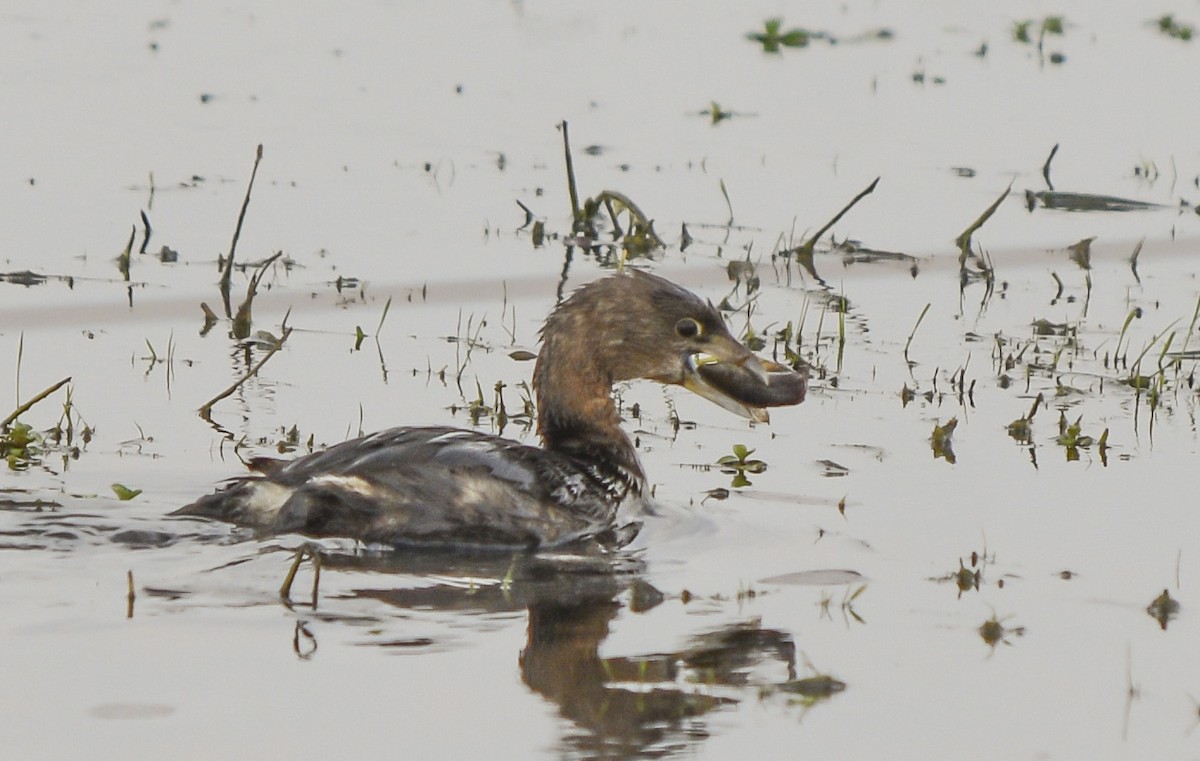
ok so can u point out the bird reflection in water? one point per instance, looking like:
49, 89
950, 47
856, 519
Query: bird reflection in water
631, 705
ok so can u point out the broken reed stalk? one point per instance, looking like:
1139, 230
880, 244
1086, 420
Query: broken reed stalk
227, 275
1133, 260
1046, 167
206, 409
242, 320
20, 356
728, 203
123, 259
963, 241
908, 343
383, 317
571, 189
806, 248
25, 407
1191, 328
148, 230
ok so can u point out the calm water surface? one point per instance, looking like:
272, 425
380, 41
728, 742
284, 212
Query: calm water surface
398, 138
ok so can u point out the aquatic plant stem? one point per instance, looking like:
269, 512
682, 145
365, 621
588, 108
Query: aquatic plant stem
963, 241
227, 274
20, 356
27, 405
807, 247
908, 343
206, 409
571, 189
1046, 167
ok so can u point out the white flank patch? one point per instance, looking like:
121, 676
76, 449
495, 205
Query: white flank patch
346, 483
266, 499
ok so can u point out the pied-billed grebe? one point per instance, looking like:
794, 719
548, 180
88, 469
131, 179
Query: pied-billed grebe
447, 487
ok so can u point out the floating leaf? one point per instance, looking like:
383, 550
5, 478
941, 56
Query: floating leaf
940, 440
124, 493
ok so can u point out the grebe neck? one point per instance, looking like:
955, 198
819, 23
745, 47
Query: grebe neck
577, 416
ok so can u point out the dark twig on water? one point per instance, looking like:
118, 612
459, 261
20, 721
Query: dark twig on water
1046, 167
148, 229
528, 215
123, 259
576, 214
1133, 260
227, 274
27, 405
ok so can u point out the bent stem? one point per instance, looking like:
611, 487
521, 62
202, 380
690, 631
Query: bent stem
27, 405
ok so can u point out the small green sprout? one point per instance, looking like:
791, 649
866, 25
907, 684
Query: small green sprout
772, 38
738, 464
1052, 25
1071, 437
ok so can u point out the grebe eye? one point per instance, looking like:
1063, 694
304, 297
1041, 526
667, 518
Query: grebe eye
687, 328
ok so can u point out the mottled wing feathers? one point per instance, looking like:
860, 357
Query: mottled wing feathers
424, 486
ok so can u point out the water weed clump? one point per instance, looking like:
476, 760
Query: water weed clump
1175, 29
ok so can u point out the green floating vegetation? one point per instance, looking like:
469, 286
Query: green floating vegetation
941, 441
1175, 29
1022, 31
1034, 32
1072, 438
773, 37
1021, 429
738, 464
20, 446
124, 493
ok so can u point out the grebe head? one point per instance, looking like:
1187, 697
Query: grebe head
639, 325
